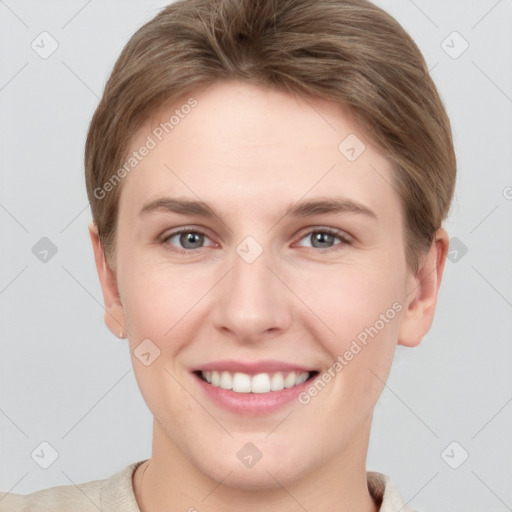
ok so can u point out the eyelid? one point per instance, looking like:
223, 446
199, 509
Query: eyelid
344, 237
186, 229
325, 229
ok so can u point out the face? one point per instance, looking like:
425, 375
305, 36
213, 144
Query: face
254, 252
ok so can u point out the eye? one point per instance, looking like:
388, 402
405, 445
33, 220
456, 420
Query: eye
325, 238
187, 239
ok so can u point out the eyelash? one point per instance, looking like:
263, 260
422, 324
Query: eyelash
331, 231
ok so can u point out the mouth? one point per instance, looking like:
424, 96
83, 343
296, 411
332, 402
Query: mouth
252, 389
240, 382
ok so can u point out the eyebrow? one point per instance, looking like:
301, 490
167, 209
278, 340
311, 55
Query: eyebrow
304, 208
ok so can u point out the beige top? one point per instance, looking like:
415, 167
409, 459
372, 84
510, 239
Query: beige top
115, 494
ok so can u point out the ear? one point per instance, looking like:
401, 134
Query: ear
421, 298
114, 313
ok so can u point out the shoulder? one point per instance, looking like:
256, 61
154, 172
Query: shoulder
384, 493
83, 497
112, 494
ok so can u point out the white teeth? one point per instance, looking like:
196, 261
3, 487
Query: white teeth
290, 380
303, 377
241, 383
261, 383
277, 382
226, 382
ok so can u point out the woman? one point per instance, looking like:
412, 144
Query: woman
268, 182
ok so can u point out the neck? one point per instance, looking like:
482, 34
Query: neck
170, 481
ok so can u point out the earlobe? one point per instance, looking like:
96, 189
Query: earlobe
421, 298
114, 313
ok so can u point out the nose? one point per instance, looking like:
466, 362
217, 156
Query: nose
254, 304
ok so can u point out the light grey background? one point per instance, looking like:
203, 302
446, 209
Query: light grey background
67, 381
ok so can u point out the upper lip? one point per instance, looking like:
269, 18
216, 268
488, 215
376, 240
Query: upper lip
252, 367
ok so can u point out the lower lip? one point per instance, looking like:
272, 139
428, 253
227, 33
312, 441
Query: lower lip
251, 404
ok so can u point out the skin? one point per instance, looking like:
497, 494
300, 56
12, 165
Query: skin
250, 152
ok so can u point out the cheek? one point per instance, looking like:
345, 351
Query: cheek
165, 305
157, 297
362, 311
155, 312
349, 301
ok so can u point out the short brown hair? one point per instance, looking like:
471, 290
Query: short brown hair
347, 51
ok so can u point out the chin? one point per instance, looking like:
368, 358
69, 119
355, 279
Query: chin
269, 472
254, 479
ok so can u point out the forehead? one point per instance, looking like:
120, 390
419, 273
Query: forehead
245, 145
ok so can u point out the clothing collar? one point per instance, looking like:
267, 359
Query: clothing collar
117, 494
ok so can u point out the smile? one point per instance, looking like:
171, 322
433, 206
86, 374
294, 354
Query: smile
240, 382
253, 388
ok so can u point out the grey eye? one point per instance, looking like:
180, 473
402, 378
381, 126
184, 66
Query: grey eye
321, 239
187, 240
191, 240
